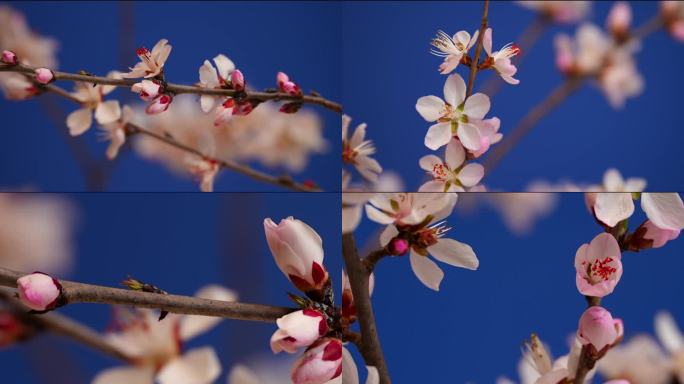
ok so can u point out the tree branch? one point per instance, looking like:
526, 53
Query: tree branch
373, 258
358, 279
478, 50
179, 88
74, 292
283, 181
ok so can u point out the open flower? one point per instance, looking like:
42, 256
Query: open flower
156, 346
115, 132
598, 266
560, 11
320, 363
501, 59
611, 208
151, 63
148, 90
91, 98
357, 151
585, 54
452, 49
206, 167
665, 210
298, 252
427, 239
455, 115
298, 329
39, 291
212, 78
641, 360
450, 175
598, 328
409, 208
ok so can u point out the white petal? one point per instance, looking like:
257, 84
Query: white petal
430, 107
373, 375
471, 174
454, 155
433, 186
611, 208
454, 253
454, 90
377, 215
108, 112
350, 374
477, 106
428, 162
665, 210
128, 375
668, 332
358, 136
388, 234
351, 217
207, 102
79, 121
193, 325
635, 184
242, 375
225, 65
368, 167
487, 41
207, 75
613, 182
438, 135
469, 136
426, 270
197, 366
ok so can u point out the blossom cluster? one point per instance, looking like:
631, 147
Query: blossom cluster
459, 119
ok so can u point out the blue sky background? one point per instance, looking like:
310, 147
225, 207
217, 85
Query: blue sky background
260, 37
387, 67
179, 242
472, 330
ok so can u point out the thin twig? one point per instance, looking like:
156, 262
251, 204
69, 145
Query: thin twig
358, 280
372, 259
74, 292
131, 129
478, 50
179, 88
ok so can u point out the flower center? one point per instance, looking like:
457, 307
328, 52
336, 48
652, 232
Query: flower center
600, 270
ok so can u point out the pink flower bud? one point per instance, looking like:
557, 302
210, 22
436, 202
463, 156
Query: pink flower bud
11, 329
44, 75
39, 291
159, 105
298, 252
287, 86
619, 19
320, 363
147, 89
298, 329
9, 57
658, 235
237, 80
598, 266
598, 328
397, 247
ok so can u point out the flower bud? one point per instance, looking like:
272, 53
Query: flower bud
397, 246
598, 266
237, 80
44, 75
598, 328
320, 363
39, 291
298, 329
619, 20
287, 86
298, 252
9, 57
147, 89
658, 235
159, 105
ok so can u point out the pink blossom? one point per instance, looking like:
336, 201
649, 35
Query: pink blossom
9, 57
298, 252
665, 210
658, 235
151, 63
598, 266
452, 49
17, 87
619, 19
298, 329
159, 105
205, 170
237, 80
212, 78
357, 151
560, 11
39, 291
451, 174
320, 363
598, 328
44, 75
501, 60
92, 103
147, 89
286, 85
